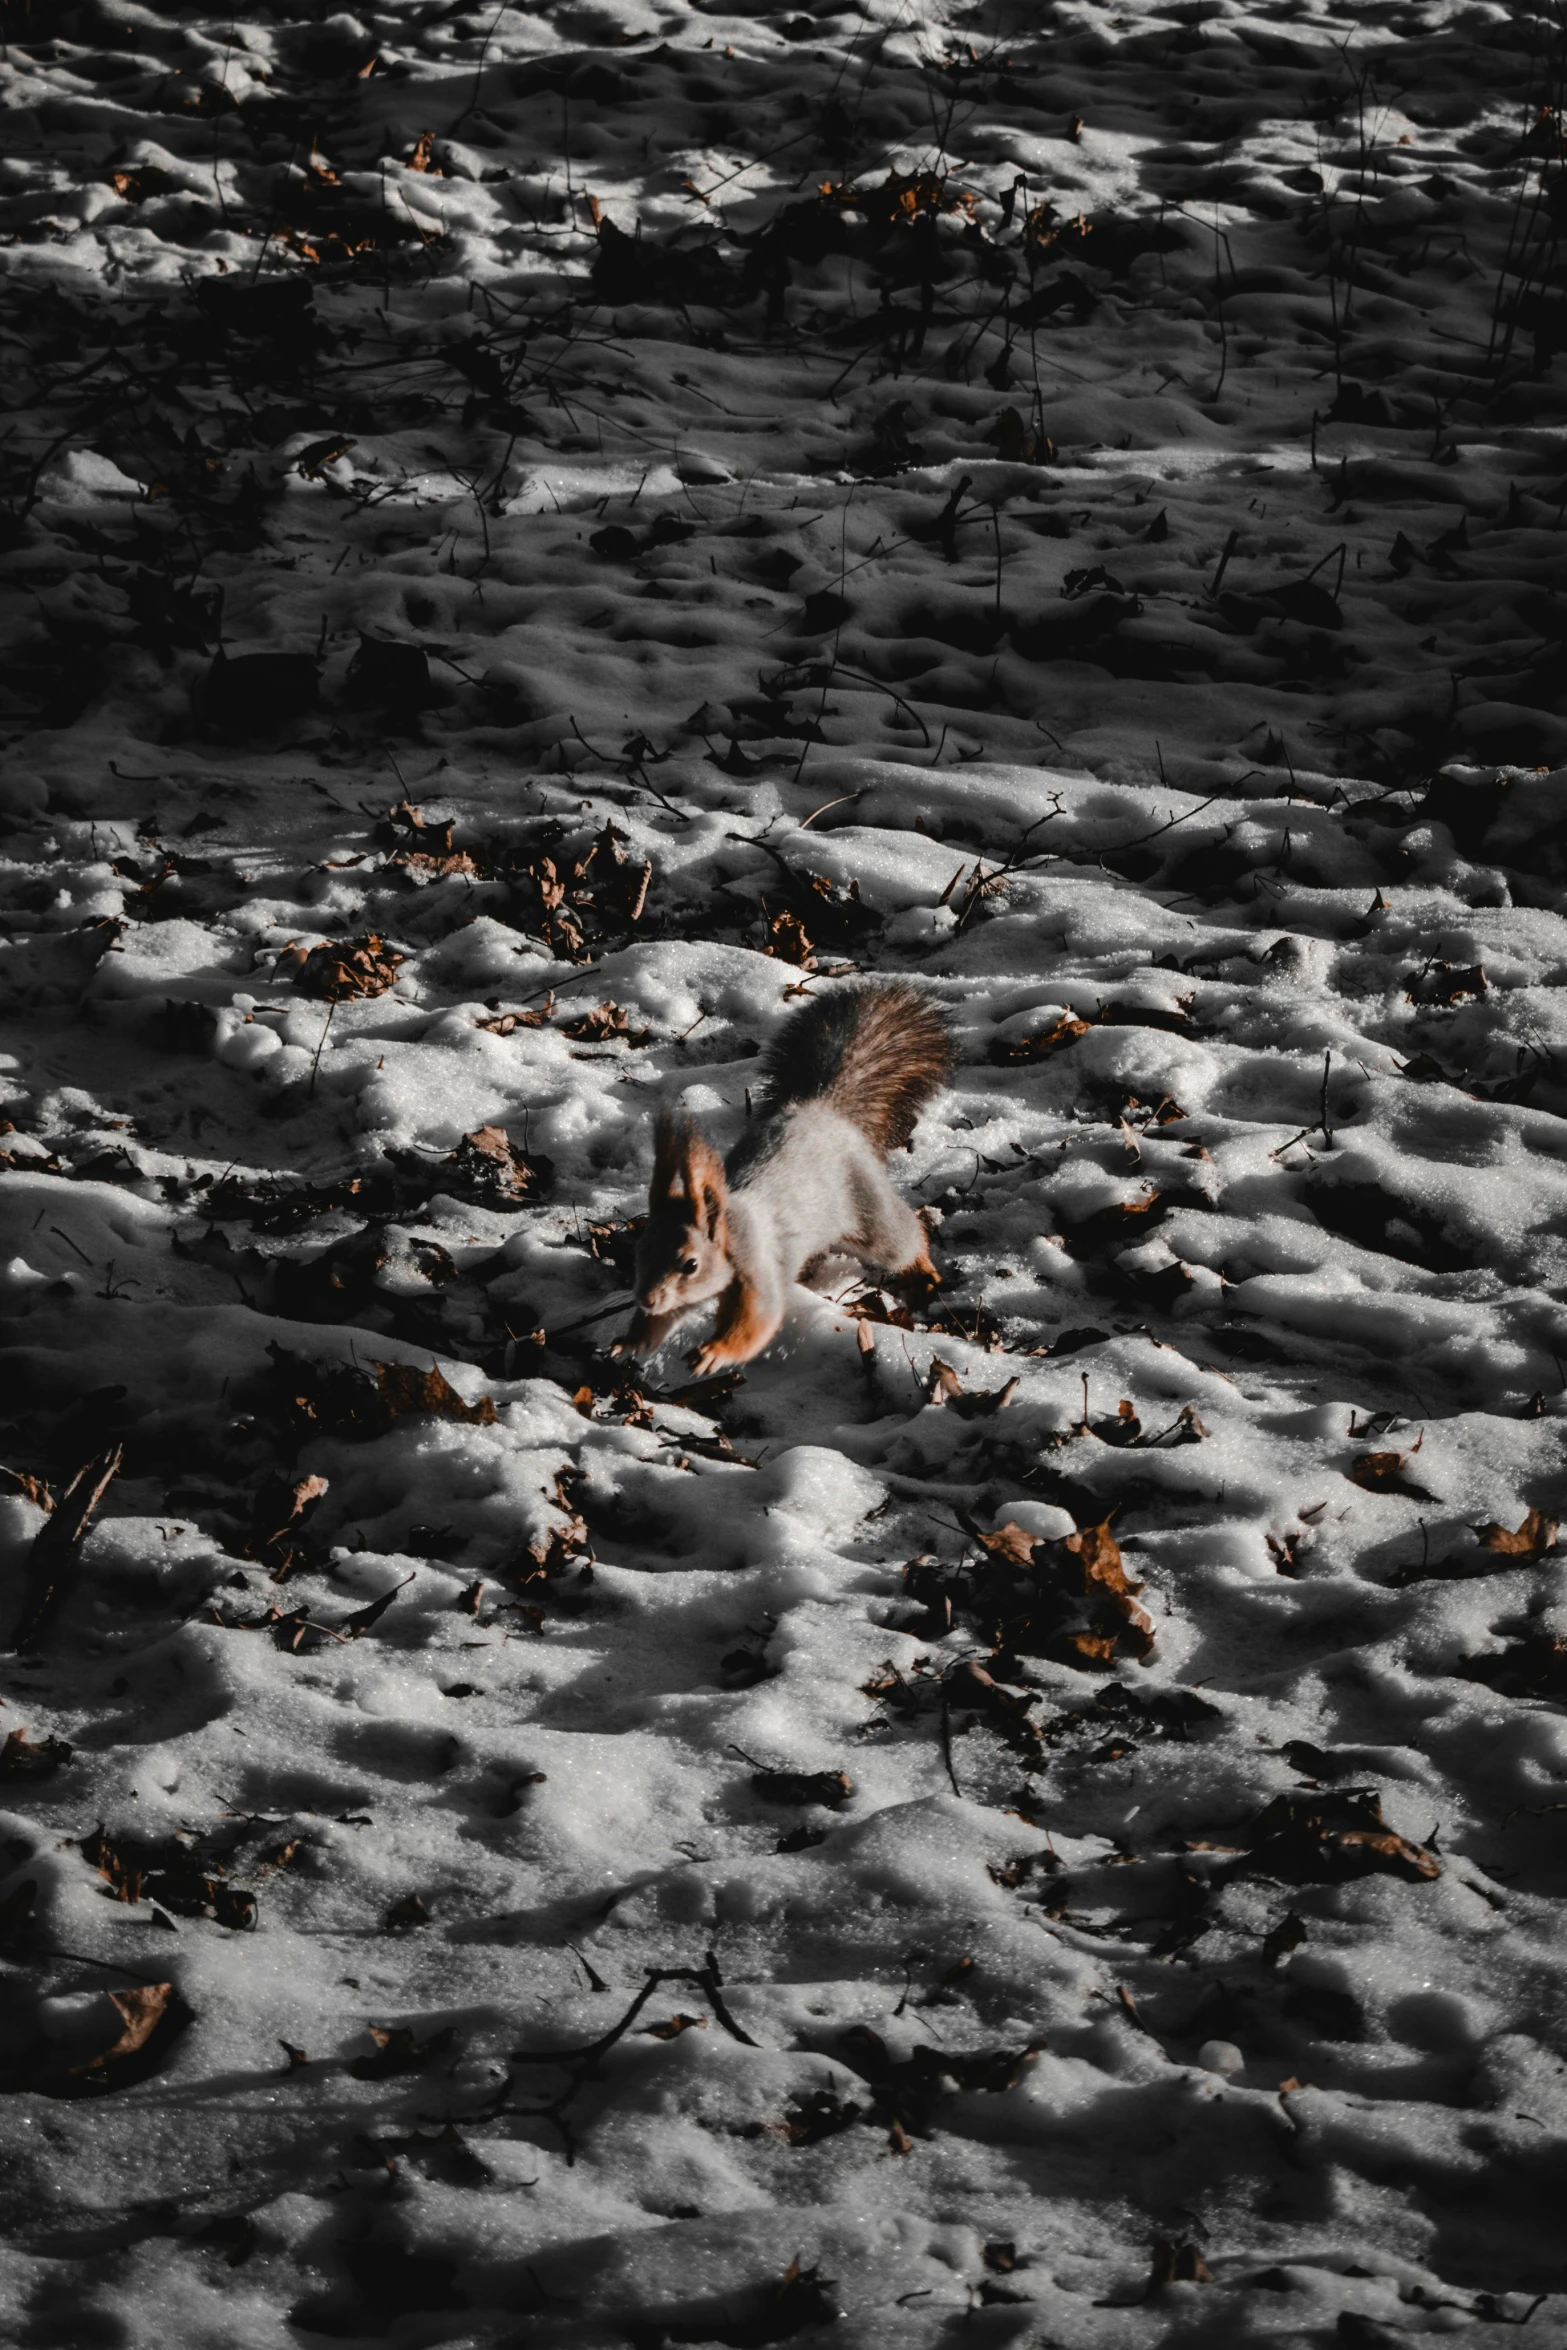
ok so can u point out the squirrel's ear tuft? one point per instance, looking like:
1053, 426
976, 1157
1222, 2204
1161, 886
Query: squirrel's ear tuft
705, 1184
671, 1137
688, 1171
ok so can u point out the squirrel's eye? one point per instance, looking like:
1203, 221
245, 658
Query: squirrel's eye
689, 1266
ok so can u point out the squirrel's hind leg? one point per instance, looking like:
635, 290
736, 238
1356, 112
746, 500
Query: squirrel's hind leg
919, 1276
892, 1238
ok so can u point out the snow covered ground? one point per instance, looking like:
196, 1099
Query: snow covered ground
532, 539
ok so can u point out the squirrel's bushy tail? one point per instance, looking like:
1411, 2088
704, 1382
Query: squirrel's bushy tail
875, 1054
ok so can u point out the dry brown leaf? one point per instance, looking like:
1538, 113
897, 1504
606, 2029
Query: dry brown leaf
505, 1023
123, 1880
1531, 1540
1177, 2264
549, 1554
496, 1171
1397, 1851
309, 463
1067, 1029
1115, 1223
140, 2011
459, 864
398, 2051
24, 1758
1011, 1542
788, 941
342, 968
1084, 1566
139, 182
1374, 1469
1005, 1711
1326, 1838
984, 1403
365, 1619
1096, 1648
603, 1024
1100, 1555
280, 1507
832, 1789
405, 1389
1280, 1940
1383, 1472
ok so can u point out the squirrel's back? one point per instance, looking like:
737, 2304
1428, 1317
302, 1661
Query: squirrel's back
875, 1054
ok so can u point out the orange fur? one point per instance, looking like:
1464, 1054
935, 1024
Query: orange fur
744, 1327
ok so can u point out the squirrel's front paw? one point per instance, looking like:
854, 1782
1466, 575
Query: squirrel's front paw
644, 1333
706, 1360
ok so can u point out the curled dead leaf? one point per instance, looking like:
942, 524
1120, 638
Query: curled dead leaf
506, 1023
1177, 2264
490, 1169
1329, 1838
970, 1689
1531, 1540
1122, 1220
1011, 1542
1038, 1047
830, 1788
1383, 1472
1070, 1599
22, 1757
603, 1025
342, 968
140, 2011
398, 2050
1099, 1556
404, 1389
281, 1507
788, 941
365, 1619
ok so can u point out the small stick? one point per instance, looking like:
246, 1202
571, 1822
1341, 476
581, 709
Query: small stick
841, 802
55, 1544
706, 1978
321, 1047
1230, 545
946, 1741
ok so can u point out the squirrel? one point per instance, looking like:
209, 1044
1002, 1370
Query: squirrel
843, 1083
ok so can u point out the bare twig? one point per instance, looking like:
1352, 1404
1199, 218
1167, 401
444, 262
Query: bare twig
56, 1542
